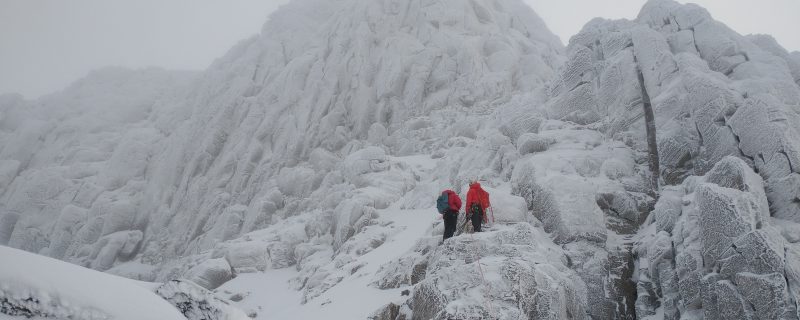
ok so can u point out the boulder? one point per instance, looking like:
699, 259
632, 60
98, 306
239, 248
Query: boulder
121, 245
759, 252
571, 212
532, 142
767, 294
731, 304
732, 172
507, 208
710, 299
784, 194
532, 282
197, 303
668, 208
620, 204
211, 273
591, 263
249, 256
725, 215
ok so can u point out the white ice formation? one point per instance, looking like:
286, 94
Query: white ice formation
306, 146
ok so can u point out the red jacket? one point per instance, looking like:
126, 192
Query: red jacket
453, 200
477, 195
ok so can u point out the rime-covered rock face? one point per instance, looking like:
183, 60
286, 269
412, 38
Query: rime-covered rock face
721, 101
273, 129
72, 172
523, 281
283, 153
716, 255
715, 93
289, 151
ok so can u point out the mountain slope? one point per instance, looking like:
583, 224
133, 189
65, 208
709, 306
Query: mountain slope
320, 144
36, 286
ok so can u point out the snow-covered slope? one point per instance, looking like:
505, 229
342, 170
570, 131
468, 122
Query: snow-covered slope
306, 162
41, 287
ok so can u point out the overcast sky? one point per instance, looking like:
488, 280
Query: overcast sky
46, 44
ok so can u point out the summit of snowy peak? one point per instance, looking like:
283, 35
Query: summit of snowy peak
391, 59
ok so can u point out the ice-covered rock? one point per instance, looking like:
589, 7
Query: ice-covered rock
730, 262
211, 273
197, 303
759, 252
668, 209
281, 111
287, 149
410, 269
715, 93
507, 208
531, 142
119, 245
769, 44
766, 293
730, 304
522, 280
726, 216
573, 213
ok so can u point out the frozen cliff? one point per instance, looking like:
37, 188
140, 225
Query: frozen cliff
648, 169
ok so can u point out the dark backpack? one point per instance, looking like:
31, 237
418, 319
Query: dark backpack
442, 203
475, 208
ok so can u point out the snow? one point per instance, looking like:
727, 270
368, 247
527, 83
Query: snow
354, 298
299, 171
63, 290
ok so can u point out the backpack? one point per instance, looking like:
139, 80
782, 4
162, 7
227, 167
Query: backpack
442, 203
475, 208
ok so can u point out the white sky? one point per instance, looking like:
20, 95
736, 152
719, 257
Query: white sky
47, 44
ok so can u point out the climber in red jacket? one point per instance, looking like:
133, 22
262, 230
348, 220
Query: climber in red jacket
477, 203
448, 205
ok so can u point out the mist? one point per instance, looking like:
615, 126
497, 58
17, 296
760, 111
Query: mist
48, 44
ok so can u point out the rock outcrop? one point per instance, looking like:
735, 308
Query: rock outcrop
718, 252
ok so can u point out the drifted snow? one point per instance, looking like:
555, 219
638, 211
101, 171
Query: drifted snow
50, 288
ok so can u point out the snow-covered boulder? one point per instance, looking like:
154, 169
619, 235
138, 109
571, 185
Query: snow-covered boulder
298, 181
726, 216
410, 269
211, 273
247, 256
520, 125
783, 192
507, 208
367, 160
120, 245
197, 303
573, 212
716, 233
531, 142
516, 260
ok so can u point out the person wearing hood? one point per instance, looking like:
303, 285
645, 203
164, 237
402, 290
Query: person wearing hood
477, 203
448, 205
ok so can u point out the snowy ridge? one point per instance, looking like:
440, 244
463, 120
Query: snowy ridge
297, 175
32, 285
